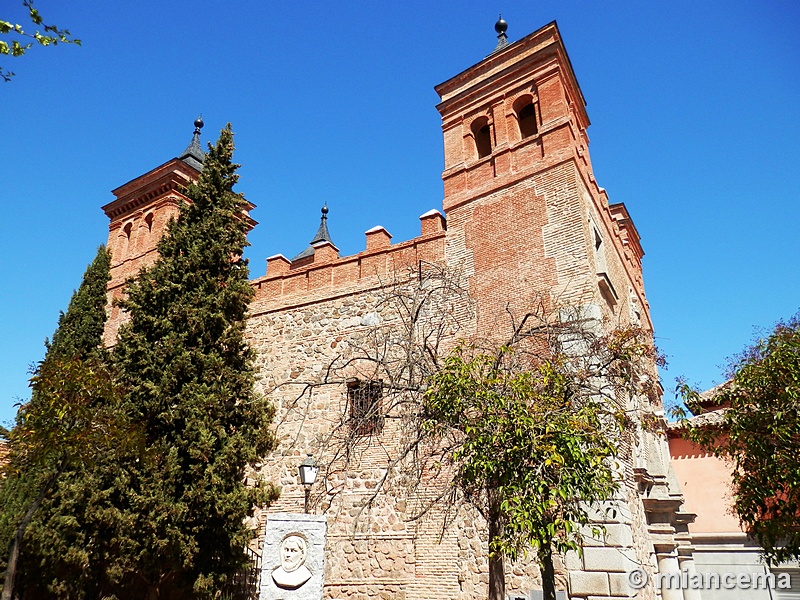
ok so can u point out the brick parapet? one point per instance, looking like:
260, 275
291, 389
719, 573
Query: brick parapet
286, 286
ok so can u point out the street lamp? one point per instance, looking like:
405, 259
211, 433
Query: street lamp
308, 474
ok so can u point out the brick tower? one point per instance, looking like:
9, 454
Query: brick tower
139, 216
528, 223
524, 212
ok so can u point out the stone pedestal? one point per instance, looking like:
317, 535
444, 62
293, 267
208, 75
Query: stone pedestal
293, 557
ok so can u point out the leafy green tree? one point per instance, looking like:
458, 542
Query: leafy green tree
16, 40
71, 417
524, 432
529, 433
188, 376
758, 431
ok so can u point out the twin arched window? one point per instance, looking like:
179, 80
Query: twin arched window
527, 120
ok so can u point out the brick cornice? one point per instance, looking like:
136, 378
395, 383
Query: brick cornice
539, 46
173, 176
170, 178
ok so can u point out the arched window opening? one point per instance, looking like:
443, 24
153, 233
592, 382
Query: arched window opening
482, 132
123, 241
148, 220
527, 120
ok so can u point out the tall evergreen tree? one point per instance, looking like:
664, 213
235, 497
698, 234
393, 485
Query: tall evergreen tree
80, 330
188, 376
67, 419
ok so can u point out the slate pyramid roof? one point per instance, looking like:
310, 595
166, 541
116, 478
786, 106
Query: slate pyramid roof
194, 155
322, 236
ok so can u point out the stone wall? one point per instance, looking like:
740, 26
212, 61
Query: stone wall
306, 354
308, 347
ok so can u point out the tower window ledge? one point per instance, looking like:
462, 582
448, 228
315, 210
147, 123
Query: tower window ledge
479, 161
457, 168
607, 288
533, 139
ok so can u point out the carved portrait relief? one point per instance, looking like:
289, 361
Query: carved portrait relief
292, 572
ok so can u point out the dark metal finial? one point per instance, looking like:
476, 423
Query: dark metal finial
322, 235
501, 27
194, 155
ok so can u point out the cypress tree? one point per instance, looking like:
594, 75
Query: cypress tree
188, 375
80, 330
63, 424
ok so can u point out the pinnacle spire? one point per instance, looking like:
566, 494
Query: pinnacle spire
194, 155
322, 235
322, 232
502, 40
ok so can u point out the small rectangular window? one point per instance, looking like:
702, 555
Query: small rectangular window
599, 251
603, 279
366, 414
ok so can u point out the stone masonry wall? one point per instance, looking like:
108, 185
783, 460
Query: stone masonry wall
374, 551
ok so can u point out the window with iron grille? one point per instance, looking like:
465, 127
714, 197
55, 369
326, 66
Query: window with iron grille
366, 414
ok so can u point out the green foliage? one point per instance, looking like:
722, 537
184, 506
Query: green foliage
62, 416
16, 36
188, 374
160, 513
72, 418
528, 433
80, 413
71, 414
758, 433
528, 448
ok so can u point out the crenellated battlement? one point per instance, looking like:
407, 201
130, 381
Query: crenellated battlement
325, 274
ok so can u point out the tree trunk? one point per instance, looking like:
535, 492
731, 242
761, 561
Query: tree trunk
497, 578
16, 541
548, 572
497, 575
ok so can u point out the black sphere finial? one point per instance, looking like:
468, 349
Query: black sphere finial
198, 123
325, 210
501, 26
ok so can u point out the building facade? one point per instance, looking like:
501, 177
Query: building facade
523, 221
721, 545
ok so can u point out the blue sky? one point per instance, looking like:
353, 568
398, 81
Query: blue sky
694, 127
